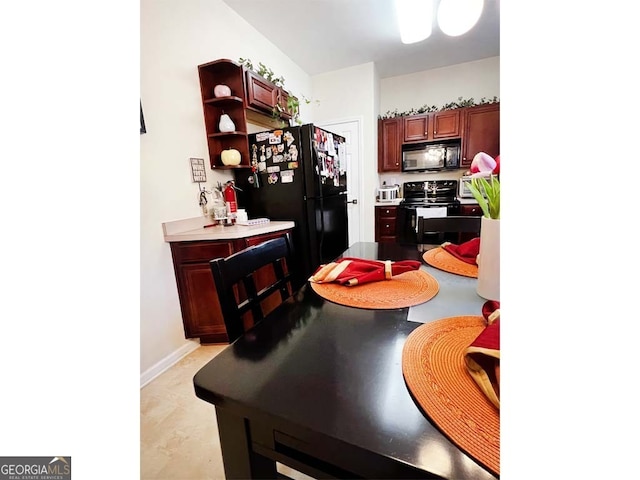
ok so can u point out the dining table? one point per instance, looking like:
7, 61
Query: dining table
319, 387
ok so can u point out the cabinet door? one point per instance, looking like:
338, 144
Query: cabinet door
481, 132
199, 304
386, 224
470, 210
261, 94
201, 313
389, 145
416, 128
446, 124
283, 97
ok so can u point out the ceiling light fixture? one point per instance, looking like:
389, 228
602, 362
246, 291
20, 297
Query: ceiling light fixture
455, 17
415, 18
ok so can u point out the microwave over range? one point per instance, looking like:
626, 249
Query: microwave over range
430, 157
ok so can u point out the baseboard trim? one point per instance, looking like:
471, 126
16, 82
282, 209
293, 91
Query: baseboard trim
167, 362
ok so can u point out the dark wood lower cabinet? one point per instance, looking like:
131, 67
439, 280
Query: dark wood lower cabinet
201, 313
469, 210
385, 227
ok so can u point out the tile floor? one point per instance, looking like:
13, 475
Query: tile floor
178, 431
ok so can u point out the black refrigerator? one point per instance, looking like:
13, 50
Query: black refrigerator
299, 174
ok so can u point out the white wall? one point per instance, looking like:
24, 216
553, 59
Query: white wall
441, 85
344, 94
175, 37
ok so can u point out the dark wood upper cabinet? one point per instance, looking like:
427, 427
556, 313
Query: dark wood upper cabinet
390, 144
446, 124
432, 126
478, 129
252, 96
481, 132
264, 96
261, 94
224, 72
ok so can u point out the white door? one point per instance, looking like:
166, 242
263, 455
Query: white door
350, 130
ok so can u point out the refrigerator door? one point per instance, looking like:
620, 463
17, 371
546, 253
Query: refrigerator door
330, 226
293, 185
326, 171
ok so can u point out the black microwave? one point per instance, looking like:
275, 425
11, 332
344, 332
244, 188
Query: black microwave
425, 157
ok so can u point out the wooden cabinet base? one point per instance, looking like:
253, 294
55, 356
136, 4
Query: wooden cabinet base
199, 304
385, 227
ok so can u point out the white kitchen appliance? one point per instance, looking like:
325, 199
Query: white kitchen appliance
463, 187
388, 193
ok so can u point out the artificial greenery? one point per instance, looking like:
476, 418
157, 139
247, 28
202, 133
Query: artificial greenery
263, 71
293, 103
433, 108
491, 204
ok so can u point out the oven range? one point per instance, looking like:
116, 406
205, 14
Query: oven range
429, 198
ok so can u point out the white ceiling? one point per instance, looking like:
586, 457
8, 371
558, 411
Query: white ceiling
325, 35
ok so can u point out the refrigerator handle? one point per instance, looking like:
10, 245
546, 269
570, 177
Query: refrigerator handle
317, 177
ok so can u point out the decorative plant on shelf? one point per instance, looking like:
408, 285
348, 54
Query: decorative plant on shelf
293, 103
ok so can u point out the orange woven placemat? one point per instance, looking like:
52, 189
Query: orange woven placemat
436, 375
404, 290
443, 260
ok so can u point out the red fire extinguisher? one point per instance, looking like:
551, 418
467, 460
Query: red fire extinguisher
231, 200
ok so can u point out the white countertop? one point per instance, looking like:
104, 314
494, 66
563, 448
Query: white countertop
466, 201
191, 229
388, 203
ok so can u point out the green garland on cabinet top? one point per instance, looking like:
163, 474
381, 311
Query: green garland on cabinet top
433, 108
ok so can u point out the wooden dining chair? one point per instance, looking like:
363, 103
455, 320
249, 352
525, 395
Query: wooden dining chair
252, 282
466, 227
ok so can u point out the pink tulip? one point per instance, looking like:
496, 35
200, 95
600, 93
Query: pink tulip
482, 163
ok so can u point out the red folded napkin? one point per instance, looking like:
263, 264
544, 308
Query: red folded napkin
483, 355
467, 251
356, 271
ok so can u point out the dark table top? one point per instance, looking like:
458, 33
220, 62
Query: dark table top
336, 370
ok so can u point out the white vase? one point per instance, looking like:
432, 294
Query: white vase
226, 124
489, 260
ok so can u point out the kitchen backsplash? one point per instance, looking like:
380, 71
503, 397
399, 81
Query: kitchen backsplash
394, 178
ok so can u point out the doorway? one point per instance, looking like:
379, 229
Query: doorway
350, 130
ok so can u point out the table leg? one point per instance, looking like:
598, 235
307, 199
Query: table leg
240, 461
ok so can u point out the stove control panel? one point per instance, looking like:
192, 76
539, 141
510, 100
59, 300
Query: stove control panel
430, 187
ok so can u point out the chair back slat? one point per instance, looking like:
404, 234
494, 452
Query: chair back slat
443, 225
237, 276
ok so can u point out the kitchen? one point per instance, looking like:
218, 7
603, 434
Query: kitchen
175, 133
173, 41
